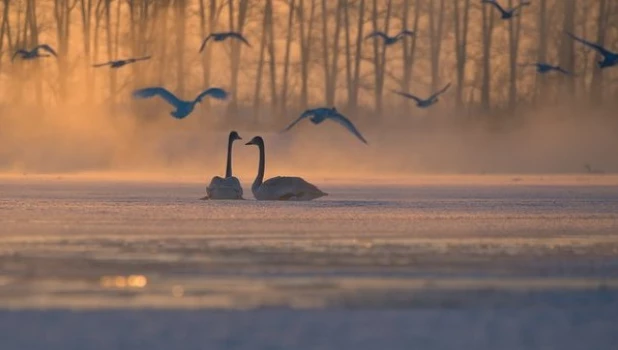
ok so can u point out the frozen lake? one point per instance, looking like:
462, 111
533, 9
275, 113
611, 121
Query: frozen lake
472, 263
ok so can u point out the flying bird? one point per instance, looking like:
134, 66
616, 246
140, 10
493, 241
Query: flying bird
223, 36
506, 13
542, 68
34, 52
390, 40
610, 58
183, 108
318, 115
120, 63
424, 103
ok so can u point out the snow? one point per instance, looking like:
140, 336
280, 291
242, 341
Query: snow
110, 263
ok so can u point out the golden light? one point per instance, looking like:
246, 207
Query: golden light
131, 281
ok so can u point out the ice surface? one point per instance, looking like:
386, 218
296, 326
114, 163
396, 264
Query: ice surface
512, 264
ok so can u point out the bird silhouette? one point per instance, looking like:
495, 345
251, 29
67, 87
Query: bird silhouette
318, 115
542, 68
183, 108
506, 13
610, 58
34, 52
424, 103
223, 36
120, 63
390, 40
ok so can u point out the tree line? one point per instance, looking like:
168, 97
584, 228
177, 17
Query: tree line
309, 52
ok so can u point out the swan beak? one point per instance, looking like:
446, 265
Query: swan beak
249, 143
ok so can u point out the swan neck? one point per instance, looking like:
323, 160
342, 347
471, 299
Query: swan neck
228, 167
260, 175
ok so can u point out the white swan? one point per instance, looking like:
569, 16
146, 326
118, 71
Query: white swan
280, 187
228, 187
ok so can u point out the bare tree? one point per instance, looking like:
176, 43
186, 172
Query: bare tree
379, 56
514, 34
462, 22
305, 27
488, 29
286, 60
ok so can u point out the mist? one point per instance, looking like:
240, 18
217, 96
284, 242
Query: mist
62, 116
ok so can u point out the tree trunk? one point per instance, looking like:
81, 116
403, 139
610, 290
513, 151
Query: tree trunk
567, 56
286, 61
379, 60
596, 84
305, 49
243, 7
461, 47
514, 34
257, 95
488, 28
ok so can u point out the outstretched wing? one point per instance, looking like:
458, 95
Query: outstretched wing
46, 48
375, 34
305, 114
562, 70
341, 119
597, 47
239, 37
214, 92
440, 92
153, 91
19, 52
410, 96
405, 32
205, 42
102, 64
496, 5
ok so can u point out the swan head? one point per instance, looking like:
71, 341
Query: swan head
258, 141
234, 136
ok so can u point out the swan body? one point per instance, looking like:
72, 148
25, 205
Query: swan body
281, 187
424, 103
221, 36
34, 52
610, 58
227, 187
120, 63
542, 68
183, 108
318, 115
506, 13
390, 40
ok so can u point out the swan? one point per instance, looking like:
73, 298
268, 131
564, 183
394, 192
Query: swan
424, 103
610, 58
506, 13
281, 187
542, 67
318, 115
390, 40
34, 52
183, 108
222, 36
228, 187
120, 63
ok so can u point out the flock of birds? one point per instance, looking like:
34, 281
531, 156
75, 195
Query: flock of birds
284, 187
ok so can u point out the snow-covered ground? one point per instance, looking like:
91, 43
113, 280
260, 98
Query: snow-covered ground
482, 263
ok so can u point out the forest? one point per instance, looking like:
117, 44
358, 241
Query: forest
311, 52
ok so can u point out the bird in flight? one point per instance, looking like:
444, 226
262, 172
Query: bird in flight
390, 40
223, 36
34, 52
542, 67
120, 63
506, 13
318, 115
610, 58
424, 103
183, 108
